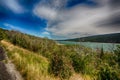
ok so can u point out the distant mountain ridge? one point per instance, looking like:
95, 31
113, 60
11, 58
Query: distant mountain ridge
106, 38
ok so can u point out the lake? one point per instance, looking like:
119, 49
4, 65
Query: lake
93, 45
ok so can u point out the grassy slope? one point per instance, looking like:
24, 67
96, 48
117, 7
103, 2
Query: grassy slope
31, 65
59, 60
60, 63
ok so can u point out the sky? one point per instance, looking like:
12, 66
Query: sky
61, 19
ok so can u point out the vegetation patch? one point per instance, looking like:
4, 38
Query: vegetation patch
45, 58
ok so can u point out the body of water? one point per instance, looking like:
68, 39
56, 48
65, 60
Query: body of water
93, 45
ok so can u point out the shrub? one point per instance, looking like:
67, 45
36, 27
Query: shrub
60, 66
81, 63
2, 34
107, 73
117, 55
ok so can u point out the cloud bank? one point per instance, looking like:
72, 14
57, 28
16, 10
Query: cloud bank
80, 20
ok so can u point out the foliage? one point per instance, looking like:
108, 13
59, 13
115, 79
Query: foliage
108, 66
107, 73
83, 62
60, 65
79, 63
29, 42
117, 55
2, 34
62, 60
30, 65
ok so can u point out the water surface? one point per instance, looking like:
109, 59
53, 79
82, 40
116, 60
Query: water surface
93, 45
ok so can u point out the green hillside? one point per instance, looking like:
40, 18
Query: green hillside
107, 38
42, 59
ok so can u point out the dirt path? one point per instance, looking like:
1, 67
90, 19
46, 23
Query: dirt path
7, 69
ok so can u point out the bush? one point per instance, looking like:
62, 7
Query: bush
81, 63
107, 73
117, 55
2, 34
60, 66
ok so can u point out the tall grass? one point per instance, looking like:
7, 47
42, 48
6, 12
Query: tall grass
64, 61
30, 65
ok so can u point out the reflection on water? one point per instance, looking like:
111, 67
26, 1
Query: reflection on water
93, 45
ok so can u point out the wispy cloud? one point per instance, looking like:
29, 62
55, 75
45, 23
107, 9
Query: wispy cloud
13, 5
46, 33
12, 27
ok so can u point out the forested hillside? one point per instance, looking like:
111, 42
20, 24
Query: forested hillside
108, 38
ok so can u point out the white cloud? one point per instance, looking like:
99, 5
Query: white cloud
13, 5
45, 12
45, 33
49, 9
80, 20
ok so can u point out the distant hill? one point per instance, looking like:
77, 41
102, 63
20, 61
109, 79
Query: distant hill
107, 38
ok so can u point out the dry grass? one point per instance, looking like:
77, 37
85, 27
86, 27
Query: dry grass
30, 65
80, 77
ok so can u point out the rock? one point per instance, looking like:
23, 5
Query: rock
15, 75
4, 75
2, 55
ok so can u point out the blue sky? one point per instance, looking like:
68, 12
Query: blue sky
60, 19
